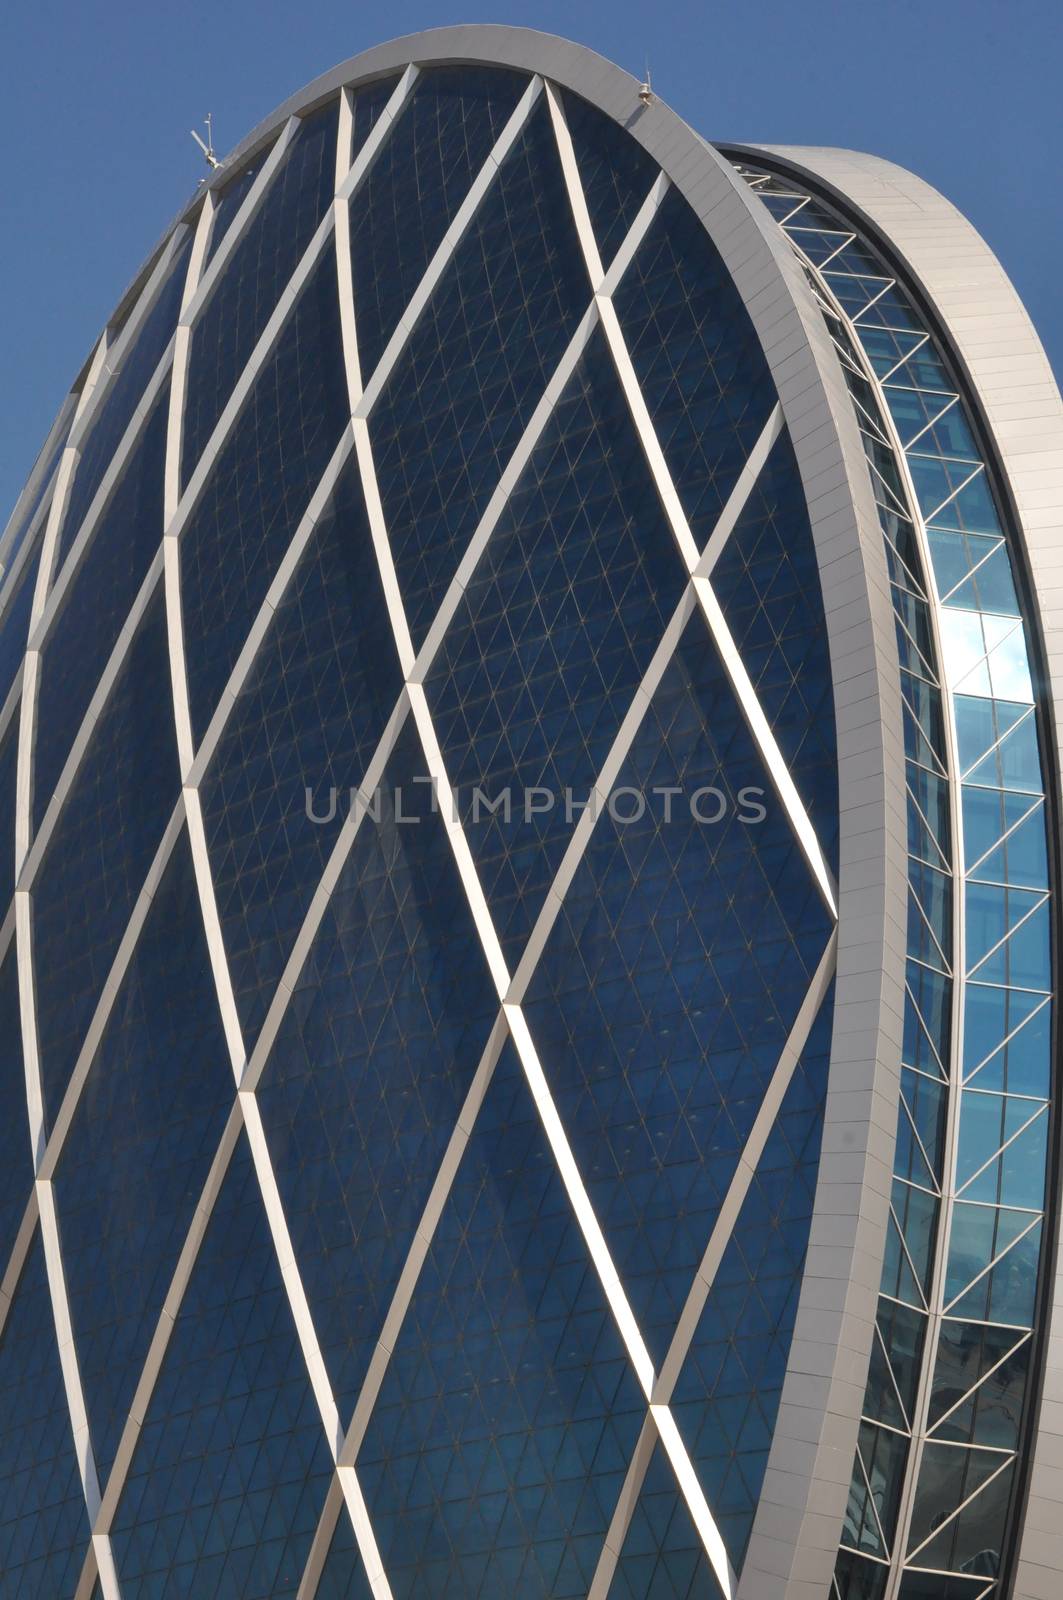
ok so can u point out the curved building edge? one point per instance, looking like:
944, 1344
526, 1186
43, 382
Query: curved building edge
1012, 389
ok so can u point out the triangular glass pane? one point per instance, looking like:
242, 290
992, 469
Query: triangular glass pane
980, 724
727, 1395
971, 508
898, 1278
1022, 858
885, 347
374, 1058
662, 1554
99, 856
927, 1020
256, 275
903, 1331
929, 915
971, 1542
96, 604
916, 1213
657, 1054
995, 1359
879, 1470
1016, 1177
992, 912
1015, 763
930, 794
923, 369
42, 1506
913, 410
855, 291
509, 1409
132, 366
924, 702
475, 367
300, 736
697, 360
615, 171
1020, 1066
424, 170
231, 1466
767, 583
244, 520
132, 1168
881, 1399
989, 814
920, 1128
978, 1235
890, 310
817, 244
552, 638
1023, 960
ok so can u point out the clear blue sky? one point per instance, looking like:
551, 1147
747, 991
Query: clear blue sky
98, 95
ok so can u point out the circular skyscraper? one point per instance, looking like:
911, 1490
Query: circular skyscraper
525, 747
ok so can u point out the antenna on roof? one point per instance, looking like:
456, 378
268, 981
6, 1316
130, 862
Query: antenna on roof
646, 95
207, 146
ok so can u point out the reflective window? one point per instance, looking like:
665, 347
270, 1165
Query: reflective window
476, 366
16, 1159
256, 276
299, 739
44, 1531
231, 1466
260, 488
105, 841
96, 605
144, 1134
427, 165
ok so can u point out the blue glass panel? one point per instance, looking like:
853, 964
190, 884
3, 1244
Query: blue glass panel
1022, 857
671, 981
698, 361
615, 171
228, 201
966, 1351
97, 603
44, 1532
1015, 763
255, 277
231, 1468
16, 1162
321, 689
143, 1137
476, 366
8, 774
861, 1579
767, 582
980, 1233
662, 1557
727, 1396
547, 650
441, 139
377, 1051
508, 1413
988, 814
114, 410
99, 855
366, 105
971, 1541
980, 723
260, 488
1007, 1039
1015, 1177
927, 1020
15, 621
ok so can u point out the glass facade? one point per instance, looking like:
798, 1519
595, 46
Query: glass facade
949, 1401
418, 912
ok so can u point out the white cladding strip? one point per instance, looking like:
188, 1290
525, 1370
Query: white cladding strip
699, 1291
699, 563
449, 244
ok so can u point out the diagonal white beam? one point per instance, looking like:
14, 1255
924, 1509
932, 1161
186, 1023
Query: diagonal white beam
705, 1277
449, 244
